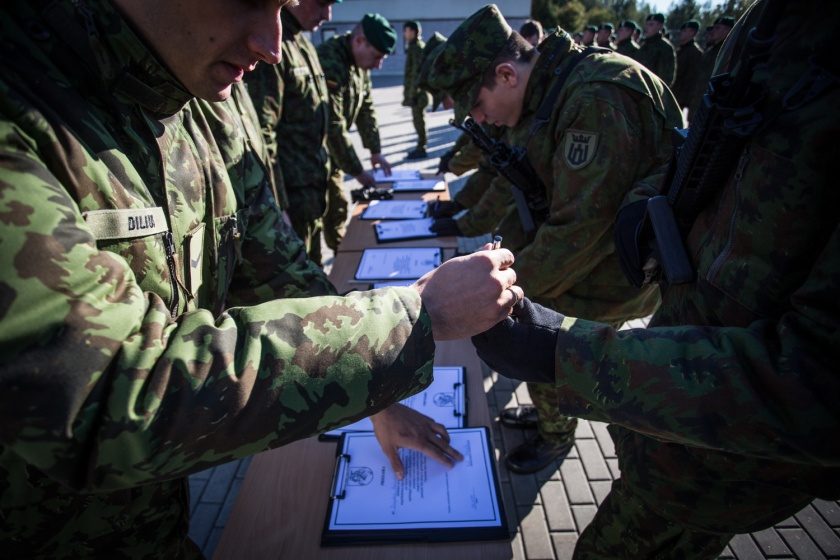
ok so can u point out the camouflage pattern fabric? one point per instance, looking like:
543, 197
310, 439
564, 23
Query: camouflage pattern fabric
292, 103
627, 47
413, 96
657, 54
725, 406
350, 103
689, 72
136, 221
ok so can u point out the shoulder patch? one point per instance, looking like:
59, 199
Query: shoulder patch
579, 147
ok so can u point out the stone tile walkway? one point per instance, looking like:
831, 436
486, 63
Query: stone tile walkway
550, 508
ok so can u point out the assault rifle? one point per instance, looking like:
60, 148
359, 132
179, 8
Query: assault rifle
649, 234
511, 162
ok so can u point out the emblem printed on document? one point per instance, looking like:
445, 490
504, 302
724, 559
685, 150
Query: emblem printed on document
360, 476
580, 148
444, 399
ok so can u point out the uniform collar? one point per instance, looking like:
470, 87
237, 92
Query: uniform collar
554, 50
103, 41
291, 26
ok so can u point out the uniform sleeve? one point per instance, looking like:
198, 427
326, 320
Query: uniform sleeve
577, 235
103, 389
366, 121
669, 65
768, 390
494, 203
410, 76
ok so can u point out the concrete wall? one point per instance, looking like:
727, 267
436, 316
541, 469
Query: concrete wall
441, 16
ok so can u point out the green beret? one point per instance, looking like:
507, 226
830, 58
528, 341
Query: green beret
379, 33
656, 17
629, 24
413, 24
691, 24
728, 21
608, 26
591, 28
466, 56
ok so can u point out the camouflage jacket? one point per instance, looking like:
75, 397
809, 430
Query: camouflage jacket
351, 103
657, 54
413, 59
292, 103
689, 72
736, 377
605, 144
627, 47
136, 221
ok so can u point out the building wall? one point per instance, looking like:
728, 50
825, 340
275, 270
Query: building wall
442, 16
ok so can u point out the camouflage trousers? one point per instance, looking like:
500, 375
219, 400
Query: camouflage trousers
676, 502
335, 217
306, 209
551, 425
418, 116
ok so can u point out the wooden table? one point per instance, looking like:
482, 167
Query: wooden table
360, 234
282, 504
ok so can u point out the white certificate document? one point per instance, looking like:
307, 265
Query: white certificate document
397, 230
444, 401
398, 264
395, 210
393, 283
368, 497
421, 185
396, 175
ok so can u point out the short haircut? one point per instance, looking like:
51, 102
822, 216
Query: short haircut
413, 25
530, 28
516, 50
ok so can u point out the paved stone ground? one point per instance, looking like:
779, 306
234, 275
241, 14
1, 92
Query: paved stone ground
550, 508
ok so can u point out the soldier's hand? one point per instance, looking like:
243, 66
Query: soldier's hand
523, 345
444, 208
378, 160
443, 164
467, 295
445, 226
366, 179
401, 427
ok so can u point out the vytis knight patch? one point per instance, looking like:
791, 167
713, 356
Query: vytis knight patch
579, 148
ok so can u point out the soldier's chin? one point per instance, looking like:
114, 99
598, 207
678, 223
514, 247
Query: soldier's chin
215, 93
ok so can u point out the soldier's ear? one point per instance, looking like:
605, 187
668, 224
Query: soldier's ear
507, 74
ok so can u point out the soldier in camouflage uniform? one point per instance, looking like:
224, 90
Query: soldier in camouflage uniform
624, 43
656, 52
607, 137
414, 97
689, 64
714, 38
347, 61
292, 102
724, 409
603, 38
156, 316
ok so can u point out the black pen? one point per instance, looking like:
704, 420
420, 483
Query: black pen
497, 242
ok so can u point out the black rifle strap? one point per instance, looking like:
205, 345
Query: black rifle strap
562, 72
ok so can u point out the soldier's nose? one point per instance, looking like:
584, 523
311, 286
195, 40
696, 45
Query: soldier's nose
265, 39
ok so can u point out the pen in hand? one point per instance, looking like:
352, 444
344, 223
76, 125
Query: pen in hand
497, 242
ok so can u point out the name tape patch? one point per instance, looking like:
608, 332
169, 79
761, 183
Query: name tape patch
126, 223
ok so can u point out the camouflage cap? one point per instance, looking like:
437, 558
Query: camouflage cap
460, 65
433, 48
379, 33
